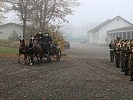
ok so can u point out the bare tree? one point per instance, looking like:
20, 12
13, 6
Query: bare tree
42, 12
23, 9
2, 5
52, 10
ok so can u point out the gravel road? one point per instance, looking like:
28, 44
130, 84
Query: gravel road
84, 74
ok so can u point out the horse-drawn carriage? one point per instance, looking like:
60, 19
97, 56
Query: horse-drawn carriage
39, 49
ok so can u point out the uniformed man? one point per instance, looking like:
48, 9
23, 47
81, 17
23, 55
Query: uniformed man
130, 63
111, 47
117, 54
122, 54
126, 57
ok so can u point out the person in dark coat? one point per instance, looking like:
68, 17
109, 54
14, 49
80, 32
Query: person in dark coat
117, 53
130, 63
39, 37
47, 41
111, 47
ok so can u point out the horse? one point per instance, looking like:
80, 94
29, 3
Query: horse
22, 50
35, 50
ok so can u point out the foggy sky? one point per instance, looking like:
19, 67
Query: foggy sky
96, 11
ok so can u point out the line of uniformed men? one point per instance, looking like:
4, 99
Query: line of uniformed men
121, 51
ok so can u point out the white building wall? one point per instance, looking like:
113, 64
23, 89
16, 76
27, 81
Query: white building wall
6, 30
97, 37
91, 37
112, 25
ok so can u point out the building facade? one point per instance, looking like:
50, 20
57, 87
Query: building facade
123, 33
9, 30
98, 35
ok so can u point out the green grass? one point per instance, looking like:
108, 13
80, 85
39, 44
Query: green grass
9, 47
4, 50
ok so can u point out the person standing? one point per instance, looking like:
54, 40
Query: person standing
47, 41
126, 57
130, 62
111, 47
117, 54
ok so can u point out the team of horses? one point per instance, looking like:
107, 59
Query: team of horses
35, 49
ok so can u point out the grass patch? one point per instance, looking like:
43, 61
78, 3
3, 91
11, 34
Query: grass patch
4, 50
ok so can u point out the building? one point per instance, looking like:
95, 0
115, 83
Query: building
10, 30
123, 33
98, 35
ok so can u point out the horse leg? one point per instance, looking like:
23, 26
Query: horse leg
25, 58
31, 60
40, 56
131, 75
38, 59
19, 58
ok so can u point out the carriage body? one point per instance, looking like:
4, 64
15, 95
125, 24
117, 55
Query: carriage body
51, 50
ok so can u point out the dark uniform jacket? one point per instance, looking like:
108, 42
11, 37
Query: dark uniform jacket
111, 46
39, 37
47, 40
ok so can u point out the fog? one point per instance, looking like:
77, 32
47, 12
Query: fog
91, 13
96, 11
89, 51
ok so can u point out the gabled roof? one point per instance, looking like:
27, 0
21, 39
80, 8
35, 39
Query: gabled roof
95, 29
123, 19
122, 29
11, 24
100, 26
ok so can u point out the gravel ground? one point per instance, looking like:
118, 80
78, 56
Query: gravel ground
72, 78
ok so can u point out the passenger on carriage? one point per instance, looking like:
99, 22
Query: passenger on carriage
47, 39
39, 37
47, 42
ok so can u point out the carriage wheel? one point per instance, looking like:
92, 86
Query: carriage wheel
58, 55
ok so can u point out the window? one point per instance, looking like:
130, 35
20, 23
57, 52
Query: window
120, 35
128, 35
132, 35
124, 35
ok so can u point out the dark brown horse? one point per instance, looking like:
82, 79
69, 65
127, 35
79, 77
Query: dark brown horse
35, 50
22, 50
